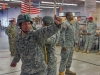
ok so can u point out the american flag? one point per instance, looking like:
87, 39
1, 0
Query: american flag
29, 8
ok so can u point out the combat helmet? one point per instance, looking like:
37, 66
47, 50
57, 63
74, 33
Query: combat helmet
24, 18
48, 20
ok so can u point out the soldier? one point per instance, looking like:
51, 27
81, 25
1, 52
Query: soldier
50, 44
29, 45
34, 24
99, 47
11, 32
16, 27
77, 33
91, 32
67, 45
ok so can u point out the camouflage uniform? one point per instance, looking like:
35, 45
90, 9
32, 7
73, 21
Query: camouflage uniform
30, 48
91, 28
50, 44
17, 28
34, 25
11, 32
52, 60
77, 32
67, 41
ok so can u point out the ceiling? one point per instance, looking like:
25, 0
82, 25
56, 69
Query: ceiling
15, 3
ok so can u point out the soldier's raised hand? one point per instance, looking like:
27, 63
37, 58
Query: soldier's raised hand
57, 20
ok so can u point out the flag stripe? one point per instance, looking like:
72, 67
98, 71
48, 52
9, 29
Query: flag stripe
25, 8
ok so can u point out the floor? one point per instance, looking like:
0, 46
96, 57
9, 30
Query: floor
83, 64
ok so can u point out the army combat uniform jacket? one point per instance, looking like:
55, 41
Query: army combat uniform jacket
30, 50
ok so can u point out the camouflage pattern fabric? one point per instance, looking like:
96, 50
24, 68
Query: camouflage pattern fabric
91, 28
12, 33
67, 41
30, 49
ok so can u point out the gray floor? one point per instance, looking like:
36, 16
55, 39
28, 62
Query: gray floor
83, 64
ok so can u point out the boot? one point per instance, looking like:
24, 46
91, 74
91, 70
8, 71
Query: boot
68, 72
61, 73
84, 51
88, 51
76, 49
57, 44
98, 53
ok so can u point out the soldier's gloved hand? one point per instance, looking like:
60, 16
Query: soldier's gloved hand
13, 64
64, 48
57, 20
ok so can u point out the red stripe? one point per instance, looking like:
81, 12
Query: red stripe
25, 9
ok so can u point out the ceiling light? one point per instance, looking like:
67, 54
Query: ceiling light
59, 3
6, 0
96, 1
40, 9
5, 3
47, 2
47, 7
67, 4
6, 7
16, 1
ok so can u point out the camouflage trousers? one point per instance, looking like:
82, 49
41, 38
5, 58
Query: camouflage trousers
77, 38
12, 46
66, 59
52, 66
42, 72
99, 43
89, 42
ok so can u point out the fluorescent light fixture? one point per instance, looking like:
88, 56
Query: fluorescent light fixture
47, 2
6, 7
59, 3
16, 1
96, 1
5, 3
6, 0
46, 7
67, 4
61, 14
82, 0
40, 9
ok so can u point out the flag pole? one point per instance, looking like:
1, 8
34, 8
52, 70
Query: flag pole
54, 8
29, 5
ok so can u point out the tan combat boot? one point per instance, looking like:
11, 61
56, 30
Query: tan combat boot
84, 51
76, 49
68, 72
98, 53
61, 73
88, 51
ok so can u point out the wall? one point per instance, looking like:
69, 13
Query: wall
14, 12
7, 14
79, 8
